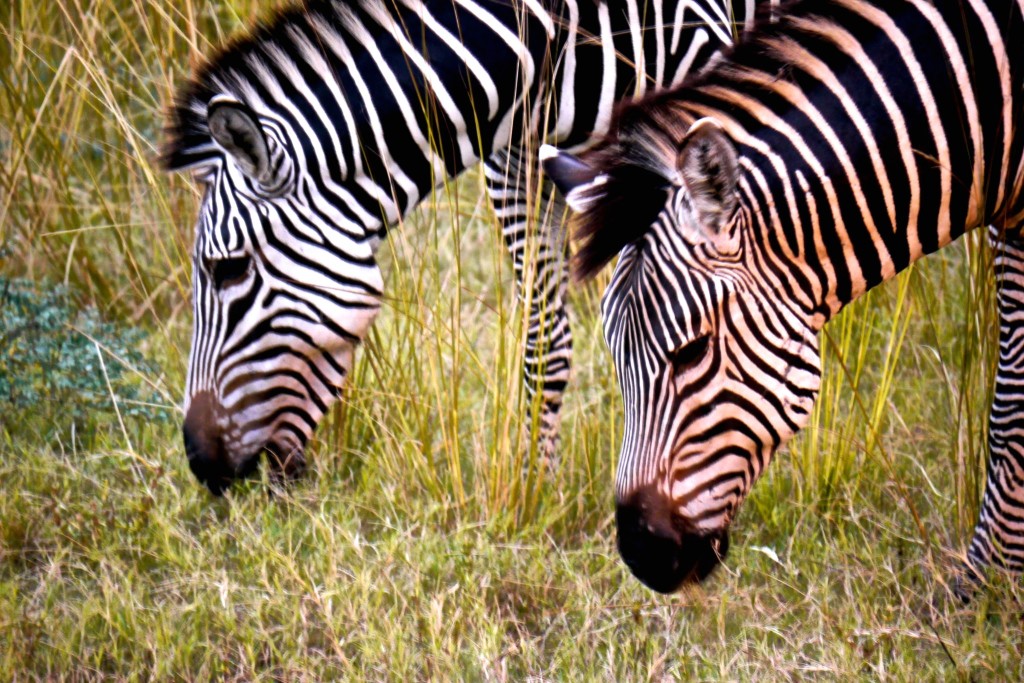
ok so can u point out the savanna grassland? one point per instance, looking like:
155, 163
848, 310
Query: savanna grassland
424, 544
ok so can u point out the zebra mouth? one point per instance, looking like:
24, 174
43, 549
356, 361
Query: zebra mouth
216, 479
217, 475
280, 470
666, 566
664, 557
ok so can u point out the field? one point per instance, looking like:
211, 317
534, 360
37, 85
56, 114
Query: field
423, 545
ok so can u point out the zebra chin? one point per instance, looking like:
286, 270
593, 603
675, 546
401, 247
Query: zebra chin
661, 548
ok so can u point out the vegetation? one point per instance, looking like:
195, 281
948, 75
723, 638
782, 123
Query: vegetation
416, 548
54, 371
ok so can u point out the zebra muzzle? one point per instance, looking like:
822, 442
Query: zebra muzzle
204, 445
659, 549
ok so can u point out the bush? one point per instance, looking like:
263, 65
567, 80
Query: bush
63, 368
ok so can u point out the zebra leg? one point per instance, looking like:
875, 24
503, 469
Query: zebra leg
538, 246
999, 536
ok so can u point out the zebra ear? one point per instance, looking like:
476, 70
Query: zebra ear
571, 175
236, 129
707, 165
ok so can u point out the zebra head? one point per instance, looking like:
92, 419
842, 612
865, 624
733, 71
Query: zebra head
284, 288
716, 370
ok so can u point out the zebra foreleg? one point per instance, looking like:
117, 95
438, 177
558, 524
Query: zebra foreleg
537, 243
999, 536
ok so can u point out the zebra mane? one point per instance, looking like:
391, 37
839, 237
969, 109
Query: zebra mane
234, 69
638, 155
619, 209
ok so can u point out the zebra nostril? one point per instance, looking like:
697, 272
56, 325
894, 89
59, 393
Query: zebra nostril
193, 450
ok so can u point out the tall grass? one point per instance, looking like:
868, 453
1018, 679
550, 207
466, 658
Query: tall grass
424, 543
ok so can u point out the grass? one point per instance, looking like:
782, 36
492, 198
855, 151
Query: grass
416, 549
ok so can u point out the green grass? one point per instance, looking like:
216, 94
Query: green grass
416, 549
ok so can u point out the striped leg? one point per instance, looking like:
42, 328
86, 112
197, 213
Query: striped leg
538, 246
999, 536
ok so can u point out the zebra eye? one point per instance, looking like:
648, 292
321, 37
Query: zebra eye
689, 354
230, 271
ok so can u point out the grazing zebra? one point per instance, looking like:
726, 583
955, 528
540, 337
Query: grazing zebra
822, 157
328, 124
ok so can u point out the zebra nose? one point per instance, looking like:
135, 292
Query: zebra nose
204, 446
657, 547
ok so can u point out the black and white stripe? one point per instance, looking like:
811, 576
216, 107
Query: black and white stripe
830, 151
334, 120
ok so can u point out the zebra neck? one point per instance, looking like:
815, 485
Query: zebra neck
428, 91
384, 100
867, 139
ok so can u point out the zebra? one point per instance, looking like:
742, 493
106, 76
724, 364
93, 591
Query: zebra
329, 123
824, 155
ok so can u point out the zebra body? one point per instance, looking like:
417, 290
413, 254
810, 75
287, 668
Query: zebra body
828, 153
330, 123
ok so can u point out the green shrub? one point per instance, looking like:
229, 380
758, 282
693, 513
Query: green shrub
64, 368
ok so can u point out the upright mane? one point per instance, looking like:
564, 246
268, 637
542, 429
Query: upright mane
637, 157
633, 163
